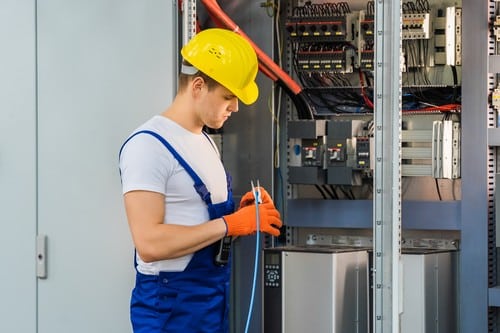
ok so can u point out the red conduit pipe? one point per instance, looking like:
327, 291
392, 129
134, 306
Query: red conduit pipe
267, 72
262, 67
266, 65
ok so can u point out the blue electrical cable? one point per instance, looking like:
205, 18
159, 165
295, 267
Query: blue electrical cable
256, 195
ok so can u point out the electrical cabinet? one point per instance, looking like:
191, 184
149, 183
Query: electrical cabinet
447, 202
448, 41
17, 166
429, 291
319, 288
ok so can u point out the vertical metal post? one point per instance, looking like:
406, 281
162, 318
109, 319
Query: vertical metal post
387, 176
188, 27
473, 277
188, 20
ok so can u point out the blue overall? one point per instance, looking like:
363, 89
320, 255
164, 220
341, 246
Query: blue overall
196, 299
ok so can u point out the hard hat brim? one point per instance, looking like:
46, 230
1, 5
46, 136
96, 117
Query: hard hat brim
247, 95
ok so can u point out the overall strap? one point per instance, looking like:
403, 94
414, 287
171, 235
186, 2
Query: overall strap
199, 186
229, 179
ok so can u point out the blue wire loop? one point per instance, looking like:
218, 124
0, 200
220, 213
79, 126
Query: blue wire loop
258, 200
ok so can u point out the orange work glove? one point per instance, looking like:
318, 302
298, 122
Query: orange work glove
243, 221
248, 198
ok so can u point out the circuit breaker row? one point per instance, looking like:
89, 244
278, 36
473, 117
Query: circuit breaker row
331, 37
341, 152
329, 152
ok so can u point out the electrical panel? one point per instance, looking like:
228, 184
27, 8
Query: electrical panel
328, 155
325, 168
329, 49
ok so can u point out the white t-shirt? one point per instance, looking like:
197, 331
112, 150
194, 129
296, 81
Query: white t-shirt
146, 164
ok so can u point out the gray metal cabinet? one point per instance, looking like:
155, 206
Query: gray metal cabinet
87, 73
17, 166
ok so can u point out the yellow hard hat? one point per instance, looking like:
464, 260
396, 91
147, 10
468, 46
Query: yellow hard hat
227, 58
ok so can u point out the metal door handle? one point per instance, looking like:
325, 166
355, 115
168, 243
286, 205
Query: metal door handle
41, 256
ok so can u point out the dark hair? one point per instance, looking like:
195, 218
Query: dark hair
185, 78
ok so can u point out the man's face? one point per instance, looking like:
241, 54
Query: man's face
216, 106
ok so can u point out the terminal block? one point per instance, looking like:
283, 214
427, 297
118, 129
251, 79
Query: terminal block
454, 36
322, 28
325, 57
495, 98
440, 40
496, 28
366, 41
446, 149
416, 26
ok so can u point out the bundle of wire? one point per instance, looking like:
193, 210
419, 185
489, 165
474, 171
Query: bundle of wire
428, 99
322, 9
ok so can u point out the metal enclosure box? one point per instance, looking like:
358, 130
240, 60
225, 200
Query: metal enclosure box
429, 291
321, 289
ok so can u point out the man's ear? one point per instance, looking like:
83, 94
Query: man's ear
197, 83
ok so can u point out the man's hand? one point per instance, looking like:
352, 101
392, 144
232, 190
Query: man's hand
249, 199
243, 222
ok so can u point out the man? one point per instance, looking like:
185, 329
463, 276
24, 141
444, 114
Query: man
178, 197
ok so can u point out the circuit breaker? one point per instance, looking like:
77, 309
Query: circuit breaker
307, 144
329, 152
343, 157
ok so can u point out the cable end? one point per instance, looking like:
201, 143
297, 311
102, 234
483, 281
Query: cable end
256, 192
